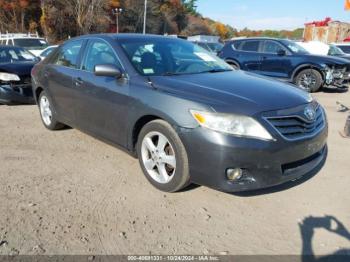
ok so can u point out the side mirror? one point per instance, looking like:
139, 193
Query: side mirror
281, 52
108, 70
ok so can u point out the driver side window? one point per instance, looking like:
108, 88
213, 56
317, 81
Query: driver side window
271, 47
99, 53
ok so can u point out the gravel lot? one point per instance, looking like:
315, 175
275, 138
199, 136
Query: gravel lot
67, 193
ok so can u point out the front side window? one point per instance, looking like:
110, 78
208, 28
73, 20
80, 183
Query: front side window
69, 54
272, 47
171, 57
99, 53
334, 50
295, 48
14, 54
250, 46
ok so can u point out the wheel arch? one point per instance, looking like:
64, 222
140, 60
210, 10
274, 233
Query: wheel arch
233, 61
307, 66
137, 127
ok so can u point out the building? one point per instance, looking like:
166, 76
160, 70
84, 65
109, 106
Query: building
327, 31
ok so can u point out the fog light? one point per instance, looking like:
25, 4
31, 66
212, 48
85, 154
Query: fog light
234, 174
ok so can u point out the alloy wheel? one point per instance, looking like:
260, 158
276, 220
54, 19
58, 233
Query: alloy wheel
45, 110
158, 157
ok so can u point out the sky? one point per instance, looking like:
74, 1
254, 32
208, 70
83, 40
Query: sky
272, 14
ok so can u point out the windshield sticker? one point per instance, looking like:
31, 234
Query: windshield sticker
205, 57
148, 71
43, 42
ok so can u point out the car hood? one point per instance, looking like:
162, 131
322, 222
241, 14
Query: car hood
328, 59
22, 68
234, 92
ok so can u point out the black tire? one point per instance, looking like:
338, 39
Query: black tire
54, 123
309, 79
234, 65
181, 176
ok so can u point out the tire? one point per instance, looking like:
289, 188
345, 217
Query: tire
166, 177
234, 65
47, 113
309, 79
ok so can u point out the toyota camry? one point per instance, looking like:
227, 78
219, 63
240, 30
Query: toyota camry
184, 113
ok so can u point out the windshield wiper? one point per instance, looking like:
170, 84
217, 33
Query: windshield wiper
170, 74
217, 70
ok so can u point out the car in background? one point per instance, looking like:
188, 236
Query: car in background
345, 47
31, 42
47, 51
287, 61
319, 48
212, 47
16, 64
193, 120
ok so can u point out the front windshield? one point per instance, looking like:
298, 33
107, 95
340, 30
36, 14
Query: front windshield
31, 43
159, 56
15, 54
295, 48
333, 50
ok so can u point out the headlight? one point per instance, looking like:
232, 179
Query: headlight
232, 124
9, 77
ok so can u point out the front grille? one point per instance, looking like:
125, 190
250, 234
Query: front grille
297, 127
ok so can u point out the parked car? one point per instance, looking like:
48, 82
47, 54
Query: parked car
345, 47
188, 121
16, 64
47, 51
319, 48
213, 48
285, 60
32, 42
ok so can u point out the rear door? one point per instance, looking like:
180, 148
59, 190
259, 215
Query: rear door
249, 56
59, 76
275, 60
102, 104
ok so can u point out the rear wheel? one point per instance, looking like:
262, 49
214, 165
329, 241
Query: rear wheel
47, 113
309, 79
163, 157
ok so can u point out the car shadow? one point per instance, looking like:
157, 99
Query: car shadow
307, 229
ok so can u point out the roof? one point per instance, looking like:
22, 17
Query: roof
123, 36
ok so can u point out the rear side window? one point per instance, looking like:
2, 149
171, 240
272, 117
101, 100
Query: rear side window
69, 54
250, 46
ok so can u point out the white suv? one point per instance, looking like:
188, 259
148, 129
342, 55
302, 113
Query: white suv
31, 42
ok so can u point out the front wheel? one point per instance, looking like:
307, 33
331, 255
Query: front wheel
310, 80
163, 157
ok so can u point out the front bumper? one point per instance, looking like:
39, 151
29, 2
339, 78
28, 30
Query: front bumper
337, 77
13, 94
264, 163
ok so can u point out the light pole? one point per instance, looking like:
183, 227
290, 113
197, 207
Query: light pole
116, 12
145, 18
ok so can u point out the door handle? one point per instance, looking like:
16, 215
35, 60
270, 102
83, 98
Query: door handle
78, 81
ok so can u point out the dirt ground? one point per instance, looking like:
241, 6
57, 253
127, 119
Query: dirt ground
67, 193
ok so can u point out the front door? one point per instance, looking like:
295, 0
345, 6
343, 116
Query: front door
102, 105
275, 60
